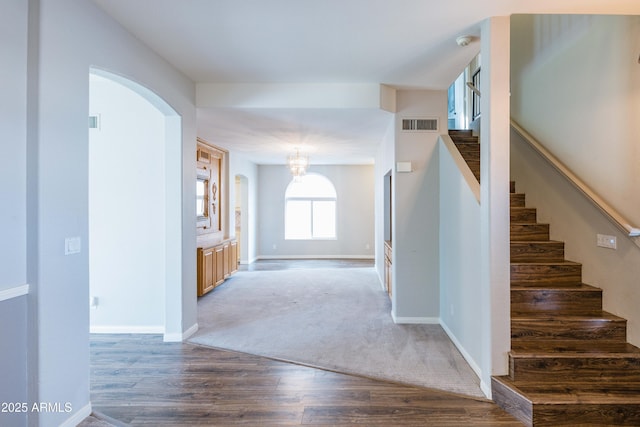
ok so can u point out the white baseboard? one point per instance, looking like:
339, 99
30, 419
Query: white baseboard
126, 329
486, 389
78, 416
315, 257
462, 350
16, 291
179, 337
414, 320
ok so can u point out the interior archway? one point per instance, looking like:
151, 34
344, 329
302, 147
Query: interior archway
242, 217
134, 208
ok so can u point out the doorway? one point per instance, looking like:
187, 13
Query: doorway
242, 218
133, 271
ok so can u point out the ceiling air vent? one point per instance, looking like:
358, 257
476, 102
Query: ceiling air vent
427, 124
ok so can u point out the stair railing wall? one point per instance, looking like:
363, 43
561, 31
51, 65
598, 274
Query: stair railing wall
632, 232
471, 180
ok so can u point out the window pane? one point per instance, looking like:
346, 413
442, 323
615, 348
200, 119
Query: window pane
297, 219
324, 219
311, 185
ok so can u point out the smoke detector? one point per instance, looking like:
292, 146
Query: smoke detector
464, 40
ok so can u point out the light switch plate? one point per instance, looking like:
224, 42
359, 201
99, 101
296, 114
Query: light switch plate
605, 241
404, 167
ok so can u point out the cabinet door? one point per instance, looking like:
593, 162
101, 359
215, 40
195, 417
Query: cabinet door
206, 268
209, 268
233, 257
219, 264
226, 253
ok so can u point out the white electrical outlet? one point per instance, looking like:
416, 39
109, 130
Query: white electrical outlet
605, 241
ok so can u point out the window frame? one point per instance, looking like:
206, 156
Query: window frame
312, 200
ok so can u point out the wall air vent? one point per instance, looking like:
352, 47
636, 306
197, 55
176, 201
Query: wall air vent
426, 124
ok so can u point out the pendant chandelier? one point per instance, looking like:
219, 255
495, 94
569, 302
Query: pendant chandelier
298, 164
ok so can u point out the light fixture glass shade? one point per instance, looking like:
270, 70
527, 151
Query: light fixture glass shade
298, 164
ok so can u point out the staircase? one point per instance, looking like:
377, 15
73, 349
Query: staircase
469, 148
569, 363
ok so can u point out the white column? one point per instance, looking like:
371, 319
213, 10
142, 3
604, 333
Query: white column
494, 198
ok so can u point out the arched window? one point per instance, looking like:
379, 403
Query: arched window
310, 209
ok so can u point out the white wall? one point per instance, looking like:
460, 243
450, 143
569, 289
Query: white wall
13, 130
575, 88
460, 262
126, 216
13, 214
13, 369
354, 213
385, 159
416, 212
74, 36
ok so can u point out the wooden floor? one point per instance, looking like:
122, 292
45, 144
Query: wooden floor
139, 380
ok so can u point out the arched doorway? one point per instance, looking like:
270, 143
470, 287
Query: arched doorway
242, 218
134, 208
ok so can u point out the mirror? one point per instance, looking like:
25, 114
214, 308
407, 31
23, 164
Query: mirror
201, 196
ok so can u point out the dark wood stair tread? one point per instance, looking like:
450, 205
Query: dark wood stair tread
457, 139
529, 232
573, 347
460, 132
556, 263
579, 299
517, 200
535, 251
579, 287
601, 316
616, 353
546, 273
549, 326
550, 263
617, 393
522, 214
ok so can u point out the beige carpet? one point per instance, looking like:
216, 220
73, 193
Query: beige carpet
337, 319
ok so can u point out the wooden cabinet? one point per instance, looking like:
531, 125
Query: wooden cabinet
215, 264
206, 270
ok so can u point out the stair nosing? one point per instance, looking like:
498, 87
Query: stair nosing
521, 354
579, 396
544, 316
550, 241
581, 287
564, 262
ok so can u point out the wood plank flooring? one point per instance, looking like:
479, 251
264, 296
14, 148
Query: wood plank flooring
139, 380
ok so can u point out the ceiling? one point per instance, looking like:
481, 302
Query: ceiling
400, 43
